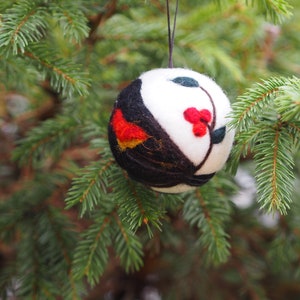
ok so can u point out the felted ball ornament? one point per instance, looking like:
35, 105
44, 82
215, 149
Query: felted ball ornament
168, 129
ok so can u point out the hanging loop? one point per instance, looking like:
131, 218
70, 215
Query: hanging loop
171, 33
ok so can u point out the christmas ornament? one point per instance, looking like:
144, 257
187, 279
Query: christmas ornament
168, 129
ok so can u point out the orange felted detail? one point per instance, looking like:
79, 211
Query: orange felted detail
129, 135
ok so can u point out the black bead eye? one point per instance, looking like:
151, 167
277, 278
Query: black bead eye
186, 81
218, 135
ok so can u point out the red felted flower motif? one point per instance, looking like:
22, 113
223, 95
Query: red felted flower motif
199, 119
192, 115
199, 129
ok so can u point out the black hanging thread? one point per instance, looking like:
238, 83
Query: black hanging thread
171, 33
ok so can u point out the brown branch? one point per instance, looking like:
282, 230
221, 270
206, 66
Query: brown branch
97, 20
274, 173
123, 231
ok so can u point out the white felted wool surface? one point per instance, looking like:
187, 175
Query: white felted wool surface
167, 101
179, 188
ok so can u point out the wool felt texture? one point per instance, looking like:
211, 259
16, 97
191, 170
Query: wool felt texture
168, 129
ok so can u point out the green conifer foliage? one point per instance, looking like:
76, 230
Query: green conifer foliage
73, 225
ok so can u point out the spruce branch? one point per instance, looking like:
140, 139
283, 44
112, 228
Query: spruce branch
30, 267
283, 252
24, 32
23, 203
72, 21
93, 191
12, 70
277, 95
274, 168
51, 241
288, 100
23, 23
243, 145
91, 254
45, 240
169, 202
107, 230
49, 139
294, 131
65, 76
205, 209
266, 119
250, 105
127, 246
137, 205
90, 187
275, 10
